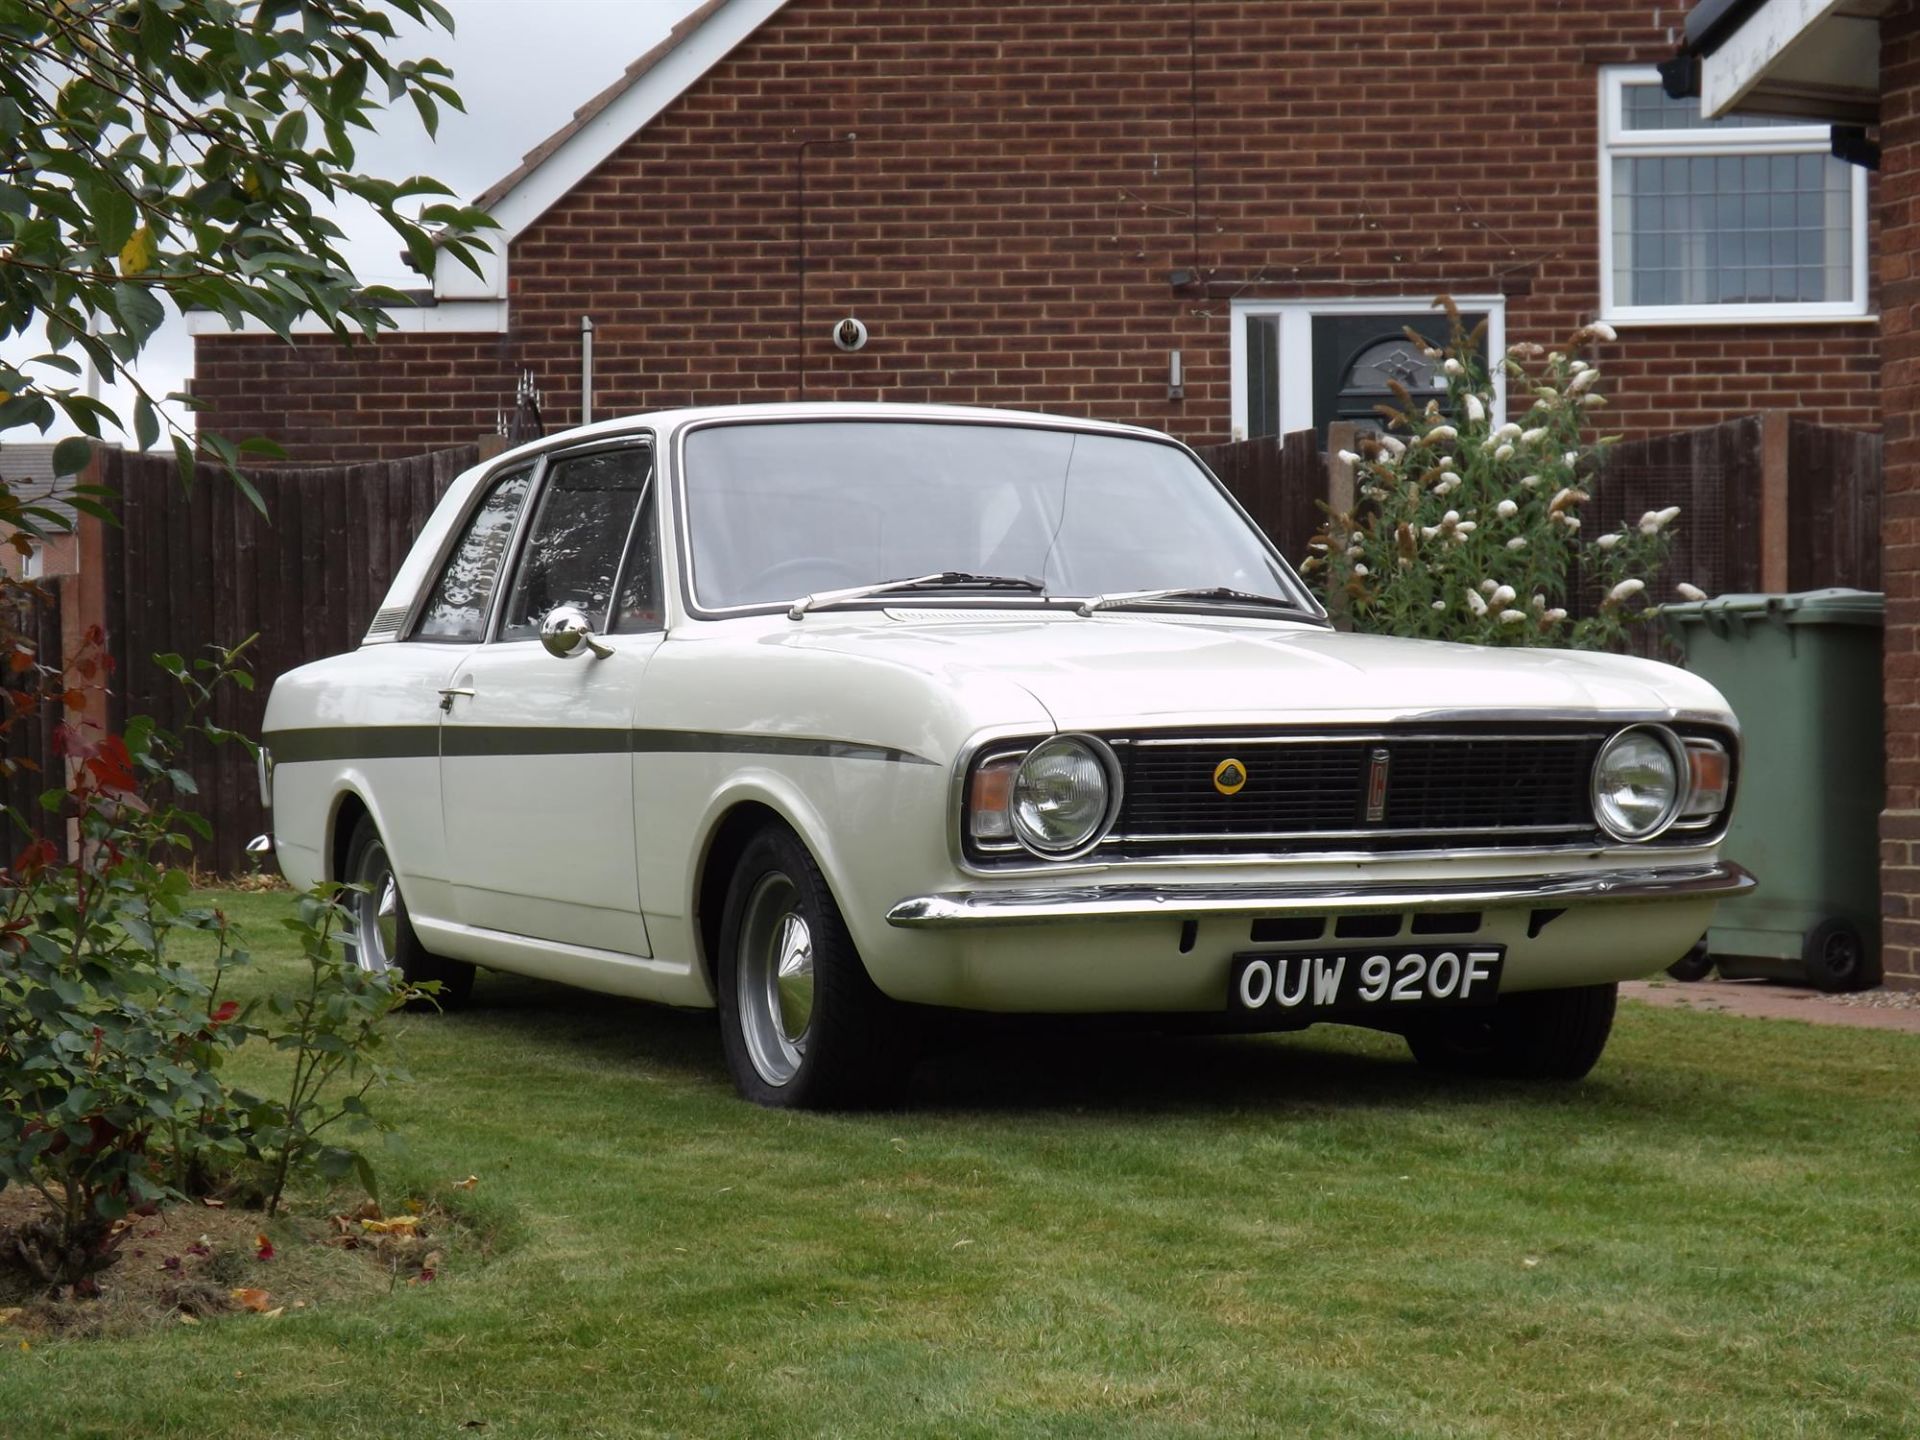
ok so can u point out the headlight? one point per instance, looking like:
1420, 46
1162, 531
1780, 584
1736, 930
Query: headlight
1062, 797
1638, 782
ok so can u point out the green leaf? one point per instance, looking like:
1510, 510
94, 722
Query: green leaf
113, 214
146, 423
71, 455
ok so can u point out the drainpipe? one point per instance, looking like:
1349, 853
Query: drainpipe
586, 369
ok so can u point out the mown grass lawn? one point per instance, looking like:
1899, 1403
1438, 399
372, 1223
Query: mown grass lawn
1717, 1234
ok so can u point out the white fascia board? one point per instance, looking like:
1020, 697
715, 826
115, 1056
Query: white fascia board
453, 317
454, 281
1761, 42
556, 176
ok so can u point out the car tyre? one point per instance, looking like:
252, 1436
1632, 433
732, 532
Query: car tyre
1834, 957
380, 935
1696, 964
802, 1023
1536, 1035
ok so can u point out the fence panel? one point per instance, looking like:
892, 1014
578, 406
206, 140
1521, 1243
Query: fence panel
186, 571
1833, 507
1280, 480
29, 764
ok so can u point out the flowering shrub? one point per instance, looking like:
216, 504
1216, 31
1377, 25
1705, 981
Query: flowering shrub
1467, 530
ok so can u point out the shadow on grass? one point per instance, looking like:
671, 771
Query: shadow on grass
1038, 1067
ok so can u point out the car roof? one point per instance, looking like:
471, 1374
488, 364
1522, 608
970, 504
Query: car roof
669, 421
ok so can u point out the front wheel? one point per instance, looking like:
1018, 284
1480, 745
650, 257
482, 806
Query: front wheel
1536, 1035
381, 937
803, 1025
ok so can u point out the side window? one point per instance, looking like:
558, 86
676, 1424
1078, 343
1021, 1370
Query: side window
457, 609
638, 607
580, 527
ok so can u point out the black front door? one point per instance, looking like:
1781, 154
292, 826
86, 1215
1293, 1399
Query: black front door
1356, 356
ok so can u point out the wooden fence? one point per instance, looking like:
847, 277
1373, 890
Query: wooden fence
32, 764
184, 572
1280, 480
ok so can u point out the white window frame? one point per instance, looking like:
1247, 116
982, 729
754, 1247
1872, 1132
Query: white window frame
1295, 347
33, 563
1618, 142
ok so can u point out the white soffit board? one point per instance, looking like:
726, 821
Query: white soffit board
1809, 57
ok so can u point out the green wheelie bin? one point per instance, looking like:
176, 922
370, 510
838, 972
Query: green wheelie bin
1802, 673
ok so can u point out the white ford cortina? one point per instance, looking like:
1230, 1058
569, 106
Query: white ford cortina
829, 714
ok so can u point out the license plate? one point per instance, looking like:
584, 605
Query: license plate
1365, 979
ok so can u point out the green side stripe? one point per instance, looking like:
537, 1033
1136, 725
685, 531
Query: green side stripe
394, 742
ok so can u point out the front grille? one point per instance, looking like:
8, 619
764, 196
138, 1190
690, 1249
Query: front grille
1512, 788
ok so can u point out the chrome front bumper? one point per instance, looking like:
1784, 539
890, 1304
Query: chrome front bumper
1712, 881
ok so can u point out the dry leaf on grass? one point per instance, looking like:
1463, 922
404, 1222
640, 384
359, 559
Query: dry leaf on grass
254, 1300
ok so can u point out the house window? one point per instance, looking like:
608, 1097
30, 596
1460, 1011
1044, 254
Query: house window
1746, 218
1305, 364
33, 563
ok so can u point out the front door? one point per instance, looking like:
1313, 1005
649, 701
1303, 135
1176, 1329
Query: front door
536, 756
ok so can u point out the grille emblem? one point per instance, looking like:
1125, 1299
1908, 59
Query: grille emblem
1377, 763
1229, 777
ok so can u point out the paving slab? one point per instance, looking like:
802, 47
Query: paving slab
1882, 1009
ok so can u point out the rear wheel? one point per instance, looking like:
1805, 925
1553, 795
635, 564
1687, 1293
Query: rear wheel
1696, 964
802, 1024
381, 937
1535, 1035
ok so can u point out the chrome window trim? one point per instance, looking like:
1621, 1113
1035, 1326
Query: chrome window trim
1309, 611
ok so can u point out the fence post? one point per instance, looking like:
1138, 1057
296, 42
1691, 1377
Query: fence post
1774, 481
1340, 436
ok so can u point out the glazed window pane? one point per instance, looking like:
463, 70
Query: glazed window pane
457, 609
579, 532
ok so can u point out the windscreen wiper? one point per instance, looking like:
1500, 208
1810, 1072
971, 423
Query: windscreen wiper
944, 580
1117, 598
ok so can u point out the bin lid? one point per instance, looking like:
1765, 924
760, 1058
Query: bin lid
1834, 606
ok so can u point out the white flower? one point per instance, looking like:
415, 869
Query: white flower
1359, 569
1393, 447
1517, 543
1691, 592
1654, 521
1577, 366
1582, 381
1354, 552
1554, 357
1446, 462
1501, 596
1506, 509
1465, 527
1607, 542
1476, 604
1447, 486
1439, 604
1452, 517
1625, 590
1357, 537
1539, 602
1505, 452
1430, 352
1428, 532
1529, 481
1512, 617
1347, 457
1600, 330
1554, 616
1487, 587
1443, 432
1572, 522
1565, 496
1572, 457
1533, 436
1317, 545
1454, 367
1508, 431
1449, 477
1476, 412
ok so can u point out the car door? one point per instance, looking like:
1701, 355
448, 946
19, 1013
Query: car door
536, 750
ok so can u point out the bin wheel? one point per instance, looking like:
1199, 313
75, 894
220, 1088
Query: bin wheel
1835, 958
1696, 964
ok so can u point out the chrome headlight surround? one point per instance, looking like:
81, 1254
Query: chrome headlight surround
1650, 741
1001, 782
263, 772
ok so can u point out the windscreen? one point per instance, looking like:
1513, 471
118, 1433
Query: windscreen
779, 510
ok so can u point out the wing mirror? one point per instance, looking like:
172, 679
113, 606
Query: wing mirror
566, 632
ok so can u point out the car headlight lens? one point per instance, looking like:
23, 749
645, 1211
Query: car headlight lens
1062, 794
1637, 783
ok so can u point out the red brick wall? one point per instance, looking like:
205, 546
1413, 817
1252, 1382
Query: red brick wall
1900, 523
1022, 183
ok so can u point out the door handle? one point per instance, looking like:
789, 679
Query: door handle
447, 696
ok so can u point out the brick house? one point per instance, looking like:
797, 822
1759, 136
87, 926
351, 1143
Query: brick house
1209, 216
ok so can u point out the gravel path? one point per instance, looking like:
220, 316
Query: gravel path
1882, 1009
